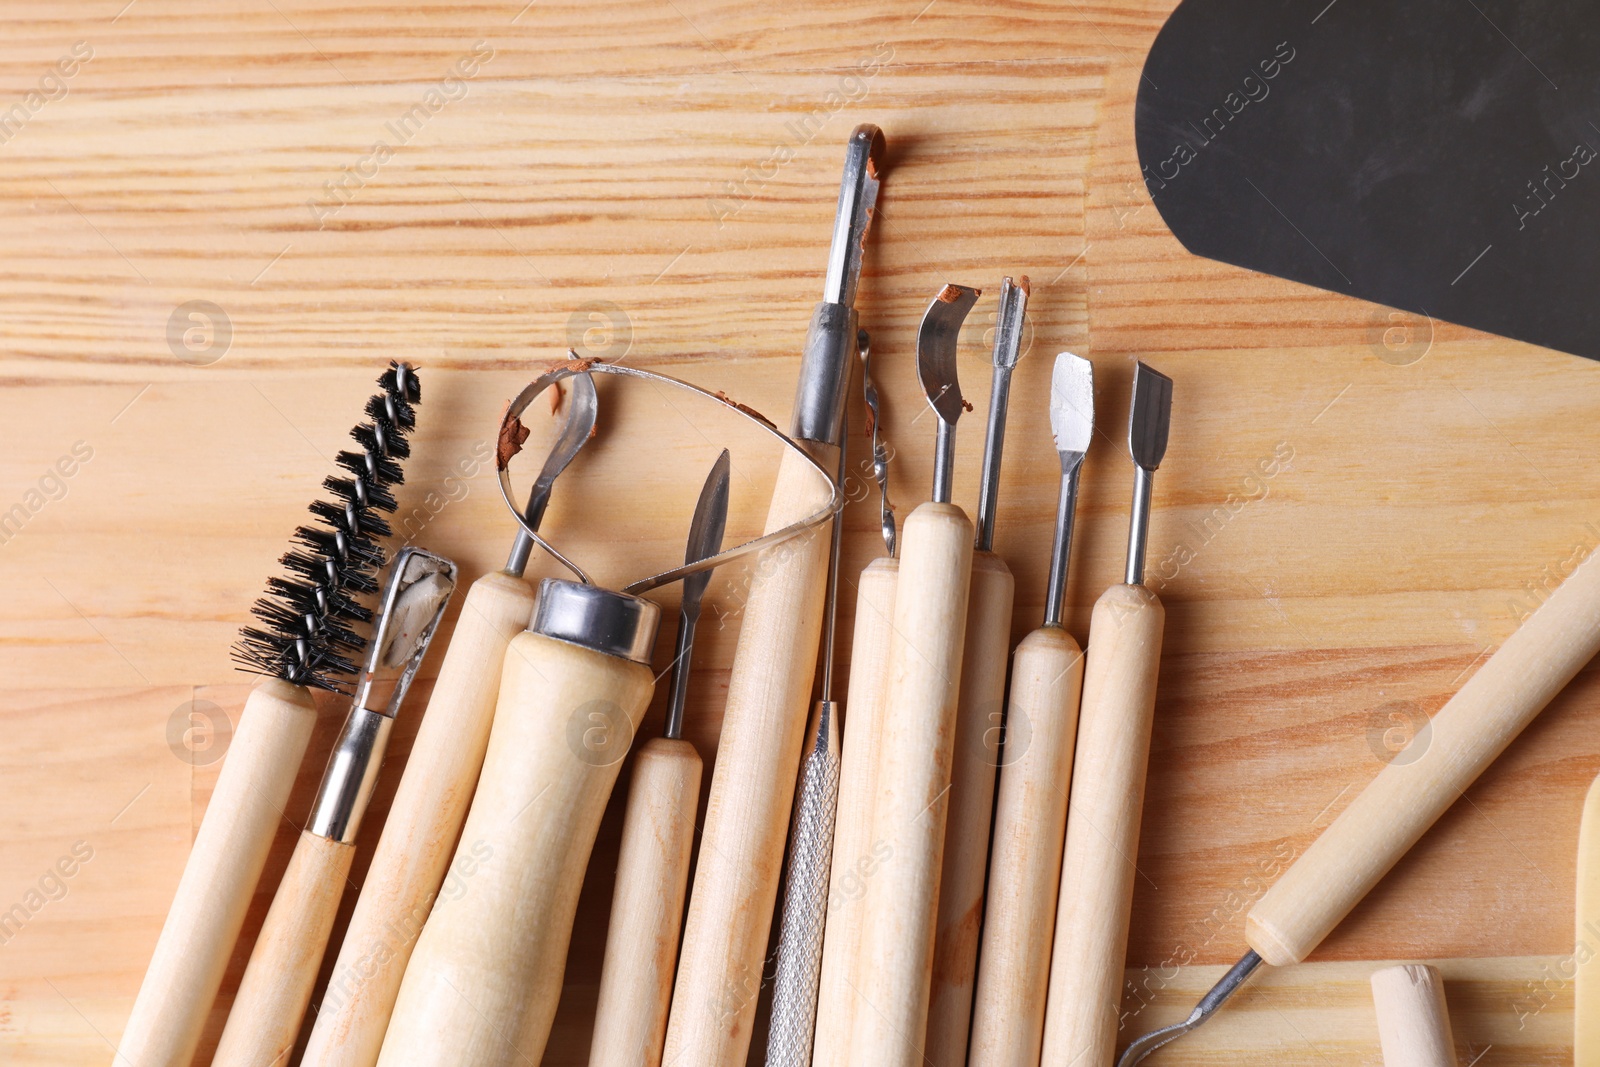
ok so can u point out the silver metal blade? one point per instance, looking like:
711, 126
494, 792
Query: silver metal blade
705, 540
1072, 404
583, 408
936, 349
1008, 328
858, 197
1152, 411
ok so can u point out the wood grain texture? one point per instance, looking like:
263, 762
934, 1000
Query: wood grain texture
1413, 1018
264, 1022
630, 1023
900, 909
985, 652
1585, 982
419, 835
598, 156
1030, 826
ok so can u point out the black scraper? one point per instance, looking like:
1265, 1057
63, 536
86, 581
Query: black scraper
1441, 156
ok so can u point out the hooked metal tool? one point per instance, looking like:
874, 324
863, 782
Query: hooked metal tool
936, 372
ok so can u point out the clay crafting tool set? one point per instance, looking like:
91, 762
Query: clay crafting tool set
960, 846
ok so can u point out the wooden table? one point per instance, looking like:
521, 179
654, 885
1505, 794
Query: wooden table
655, 179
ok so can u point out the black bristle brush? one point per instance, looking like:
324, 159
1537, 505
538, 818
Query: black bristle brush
312, 629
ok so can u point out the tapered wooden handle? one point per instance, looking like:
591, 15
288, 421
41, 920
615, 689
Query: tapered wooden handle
266, 1015
219, 878
412, 856
1414, 789
758, 758
1413, 1023
482, 983
1102, 842
856, 857
894, 971
1586, 983
630, 1020
971, 807
1030, 823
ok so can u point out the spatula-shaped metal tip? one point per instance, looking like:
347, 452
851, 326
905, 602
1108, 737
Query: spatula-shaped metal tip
936, 350
1072, 404
710, 516
583, 408
1009, 323
1152, 411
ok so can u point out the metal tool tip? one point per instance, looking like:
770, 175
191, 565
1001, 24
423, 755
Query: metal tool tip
936, 349
710, 515
869, 138
1072, 403
1009, 321
1152, 411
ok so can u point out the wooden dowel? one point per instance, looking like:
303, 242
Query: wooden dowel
856, 857
1586, 983
219, 878
902, 897
630, 1020
1030, 823
971, 803
1102, 842
1413, 1022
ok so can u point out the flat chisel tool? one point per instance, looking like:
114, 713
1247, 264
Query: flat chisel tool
855, 857
769, 685
978, 713
630, 1020
1407, 797
805, 896
1108, 775
413, 854
895, 959
1031, 812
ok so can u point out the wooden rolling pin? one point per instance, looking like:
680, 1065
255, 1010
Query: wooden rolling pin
411, 860
1413, 1022
856, 856
483, 981
264, 1022
630, 1018
1113, 749
978, 718
769, 687
1036, 774
895, 959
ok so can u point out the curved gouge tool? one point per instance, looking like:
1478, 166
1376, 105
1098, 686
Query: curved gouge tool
1108, 775
769, 687
483, 981
267, 1011
309, 629
978, 708
1586, 983
805, 900
410, 863
1407, 797
1413, 1021
854, 859
1031, 812
899, 912
630, 1020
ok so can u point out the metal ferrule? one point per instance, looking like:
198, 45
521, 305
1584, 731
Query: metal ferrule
993, 444
611, 623
1139, 524
825, 365
944, 462
352, 772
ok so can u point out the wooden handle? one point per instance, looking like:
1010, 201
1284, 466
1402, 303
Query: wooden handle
971, 809
758, 759
855, 855
1030, 823
630, 1020
902, 898
1102, 841
1586, 983
219, 878
483, 981
265, 1019
1413, 1024
1415, 788
420, 832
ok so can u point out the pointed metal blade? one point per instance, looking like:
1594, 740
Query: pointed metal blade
936, 349
1152, 411
1072, 404
710, 517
